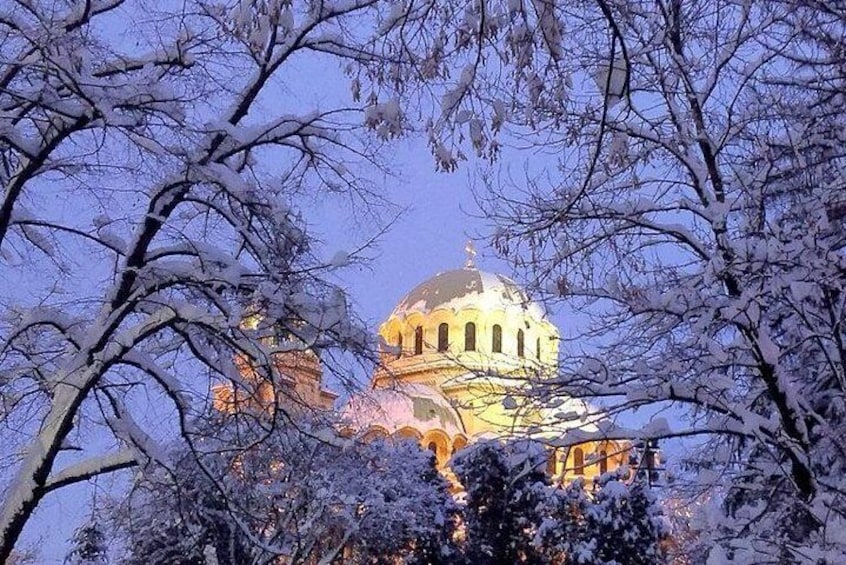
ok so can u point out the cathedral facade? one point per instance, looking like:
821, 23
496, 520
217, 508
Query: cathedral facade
458, 354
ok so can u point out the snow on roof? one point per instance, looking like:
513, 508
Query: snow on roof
467, 288
404, 405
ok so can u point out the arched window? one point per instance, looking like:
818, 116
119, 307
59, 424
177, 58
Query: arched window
551, 461
374, 434
578, 461
470, 337
458, 443
443, 337
521, 343
496, 339
603, 462
418, 340
537, 346
399, 345
433, 447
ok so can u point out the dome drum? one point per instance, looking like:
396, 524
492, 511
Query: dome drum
475, 319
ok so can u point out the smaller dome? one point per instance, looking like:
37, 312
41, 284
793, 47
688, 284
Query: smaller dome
467, 288
415, 406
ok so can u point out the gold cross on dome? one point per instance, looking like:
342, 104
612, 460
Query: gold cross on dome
470, 249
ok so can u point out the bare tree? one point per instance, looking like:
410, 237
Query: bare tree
695, 213
152, 162
696, 217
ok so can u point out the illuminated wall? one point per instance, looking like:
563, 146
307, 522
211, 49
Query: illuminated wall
479, 349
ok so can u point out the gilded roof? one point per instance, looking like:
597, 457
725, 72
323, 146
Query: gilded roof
467, 288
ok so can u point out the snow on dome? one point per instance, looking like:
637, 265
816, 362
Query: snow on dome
569, 414
405, 405
467, 288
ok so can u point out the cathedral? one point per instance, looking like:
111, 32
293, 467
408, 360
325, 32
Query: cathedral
457, 353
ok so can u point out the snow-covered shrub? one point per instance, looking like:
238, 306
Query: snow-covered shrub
506, 490
304, 494
624, 524
514, 514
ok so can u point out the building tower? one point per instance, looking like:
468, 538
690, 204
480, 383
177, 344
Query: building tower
296, 383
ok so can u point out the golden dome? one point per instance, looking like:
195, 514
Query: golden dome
466, 320
459, 354
461, 289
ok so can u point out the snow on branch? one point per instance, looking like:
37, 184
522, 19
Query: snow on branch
92, 467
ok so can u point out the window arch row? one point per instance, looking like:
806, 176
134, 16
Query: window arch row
443, 334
